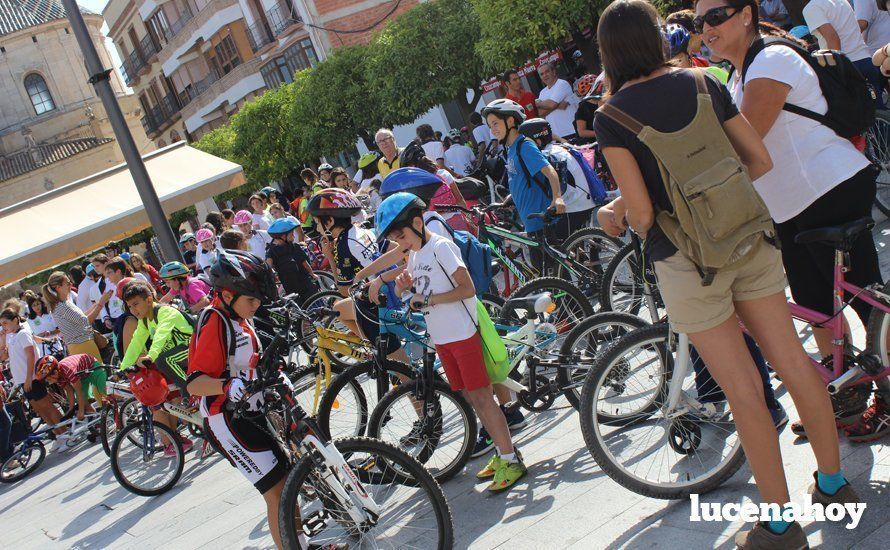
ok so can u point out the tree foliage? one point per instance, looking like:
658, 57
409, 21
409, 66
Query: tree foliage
514, 31
219, 142
667, 7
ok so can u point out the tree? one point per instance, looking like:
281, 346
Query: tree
218, 142
667, 7
336, 105
514, 31
424, 57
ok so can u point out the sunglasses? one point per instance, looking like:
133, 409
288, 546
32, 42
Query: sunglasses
714, 17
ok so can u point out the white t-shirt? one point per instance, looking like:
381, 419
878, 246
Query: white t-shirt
877, 35
42, 323
84, 292
809, 159
115, 305
203, 259
460, 158
839, 14
482, 136
17, 343
260, 221
561, 120
257, 241
576, 197
434, 150
433, 267
434, 222
358, 177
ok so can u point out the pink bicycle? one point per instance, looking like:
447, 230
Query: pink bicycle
645, 422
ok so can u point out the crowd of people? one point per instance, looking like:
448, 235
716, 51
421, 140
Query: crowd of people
691, 117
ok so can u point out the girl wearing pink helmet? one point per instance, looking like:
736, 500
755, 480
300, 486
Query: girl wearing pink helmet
208, 244
256, 239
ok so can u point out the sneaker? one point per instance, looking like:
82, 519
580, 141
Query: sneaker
507, 474
848, 405
761, 538
60, 444
491, 468
874, 424
169, 451
484, 443
515, 418
780, 418
845, 495
413, 437
187, 444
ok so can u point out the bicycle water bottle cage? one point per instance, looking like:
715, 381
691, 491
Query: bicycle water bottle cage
841, 237
532, 305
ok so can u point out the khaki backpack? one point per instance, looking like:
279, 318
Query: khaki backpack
718, 215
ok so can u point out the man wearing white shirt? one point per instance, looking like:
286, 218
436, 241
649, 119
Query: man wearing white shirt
834, 24
458, 157
874, 23
85, 288
103, 320
557, 103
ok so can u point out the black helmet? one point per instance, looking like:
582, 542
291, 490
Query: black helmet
244, 274
411, 154
334, 202
537, 128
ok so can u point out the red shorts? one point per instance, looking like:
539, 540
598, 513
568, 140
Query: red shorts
463, 363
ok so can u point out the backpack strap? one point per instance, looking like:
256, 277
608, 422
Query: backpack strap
525, 168
628, 122
228, 333
700, 85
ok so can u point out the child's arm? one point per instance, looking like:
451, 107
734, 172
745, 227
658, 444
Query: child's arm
81, 398
31, 359
137, 344
462, 291
391, 257
167, 317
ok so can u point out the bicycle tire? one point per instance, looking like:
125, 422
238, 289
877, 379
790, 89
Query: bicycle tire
309, 373
599, 320
299, 476
123, 419
597, 377
572, 306
116, 419
380, 416
878, 152
877, 335
306, 330
606, 247
116, 467
610, 291
30, 468
327, 281
350, 377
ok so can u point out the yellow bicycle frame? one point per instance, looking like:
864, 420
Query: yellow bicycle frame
334, 341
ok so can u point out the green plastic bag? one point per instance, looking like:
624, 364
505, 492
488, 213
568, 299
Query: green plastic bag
497, 362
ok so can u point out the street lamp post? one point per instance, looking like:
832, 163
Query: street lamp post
99, 76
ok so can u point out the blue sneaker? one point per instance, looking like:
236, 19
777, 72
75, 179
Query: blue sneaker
780, 417
515, 418
484, 443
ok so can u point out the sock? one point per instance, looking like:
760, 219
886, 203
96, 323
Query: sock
830, 483
777, 525
511, 457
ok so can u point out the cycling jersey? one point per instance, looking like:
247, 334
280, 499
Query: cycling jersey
192, 291
355, 248
75, 367
170, 332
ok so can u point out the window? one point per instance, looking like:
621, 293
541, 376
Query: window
276, 73
300, 56
41, 99
158, 27
227, 57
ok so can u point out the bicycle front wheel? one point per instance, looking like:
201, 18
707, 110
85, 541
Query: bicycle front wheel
414, 512
440, 435
877, 150
22, 462
634, 442
625, 289
142, 468
592, 249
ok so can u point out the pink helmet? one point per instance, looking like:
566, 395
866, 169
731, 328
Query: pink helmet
204, 234
243, 216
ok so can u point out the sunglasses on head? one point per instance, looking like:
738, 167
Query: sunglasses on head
714, 17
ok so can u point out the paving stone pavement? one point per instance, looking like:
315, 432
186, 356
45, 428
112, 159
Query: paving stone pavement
566, 501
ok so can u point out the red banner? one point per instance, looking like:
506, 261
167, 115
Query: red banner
544, 58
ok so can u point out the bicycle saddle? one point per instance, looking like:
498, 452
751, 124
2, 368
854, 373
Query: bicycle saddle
534, 304
841, 236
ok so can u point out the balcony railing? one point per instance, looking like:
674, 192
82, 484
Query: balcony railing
199, 87
161, 113
178, 25
132, 65
275, 21
148, 47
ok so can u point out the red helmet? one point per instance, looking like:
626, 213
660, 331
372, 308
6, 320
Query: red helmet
585, 83
121, 286
149, 387
45, 366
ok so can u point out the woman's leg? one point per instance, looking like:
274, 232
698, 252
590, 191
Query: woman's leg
769, 320
729, 362
272, 498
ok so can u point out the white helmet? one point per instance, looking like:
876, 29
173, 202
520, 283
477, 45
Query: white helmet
504, 108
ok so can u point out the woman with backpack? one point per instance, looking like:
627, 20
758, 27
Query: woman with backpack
819, 178
651, 102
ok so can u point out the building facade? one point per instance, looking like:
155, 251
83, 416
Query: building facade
53, 128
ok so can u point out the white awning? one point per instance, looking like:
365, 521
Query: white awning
58, 226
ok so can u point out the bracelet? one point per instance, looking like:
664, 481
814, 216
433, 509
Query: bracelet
427, 300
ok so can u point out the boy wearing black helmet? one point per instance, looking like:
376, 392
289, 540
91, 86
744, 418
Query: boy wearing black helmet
290, 260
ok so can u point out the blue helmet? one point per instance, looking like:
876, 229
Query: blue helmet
281, 226
412, 180
125, 256
677, 38
90, 269
394, 210
800, 32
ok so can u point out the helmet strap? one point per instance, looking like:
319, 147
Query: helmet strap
228, 307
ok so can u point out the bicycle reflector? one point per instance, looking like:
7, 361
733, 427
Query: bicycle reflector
149, 387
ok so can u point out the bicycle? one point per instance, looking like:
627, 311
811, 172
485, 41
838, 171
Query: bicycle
630, 284
877, 150
345, 489
656, 379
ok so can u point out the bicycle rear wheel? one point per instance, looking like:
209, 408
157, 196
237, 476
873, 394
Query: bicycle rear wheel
414, 512
441, 439
142, 468
624, 288
23, 462
593, 249
629, 436
877, 150
570, 307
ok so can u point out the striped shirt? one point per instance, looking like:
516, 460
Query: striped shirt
73, 324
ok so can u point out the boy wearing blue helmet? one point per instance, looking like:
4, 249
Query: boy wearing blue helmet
289, 260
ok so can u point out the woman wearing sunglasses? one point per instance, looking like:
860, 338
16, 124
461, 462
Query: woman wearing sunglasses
665, 99
819, 179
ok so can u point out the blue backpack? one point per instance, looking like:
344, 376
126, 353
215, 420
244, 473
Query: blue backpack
475, 254
595, 188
